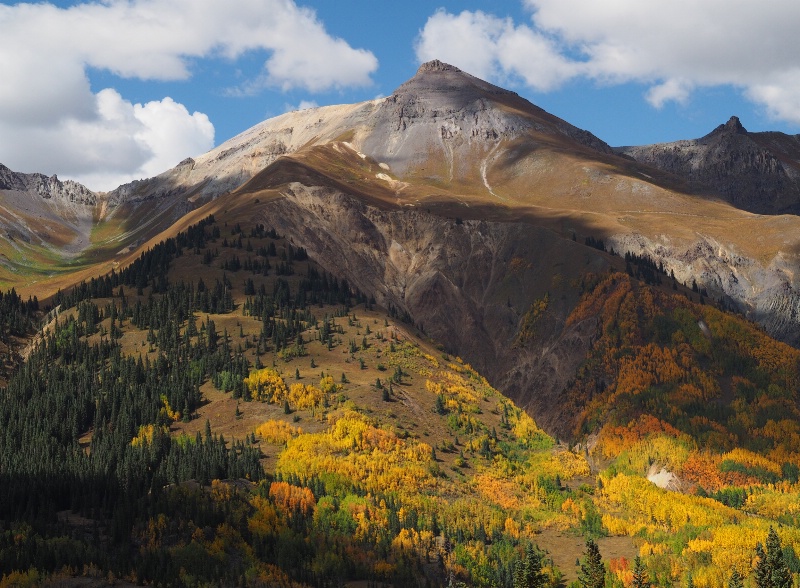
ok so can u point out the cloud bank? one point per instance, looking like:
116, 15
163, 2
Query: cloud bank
51, 119
672, 47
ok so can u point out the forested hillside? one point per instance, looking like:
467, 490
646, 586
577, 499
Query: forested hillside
225, 411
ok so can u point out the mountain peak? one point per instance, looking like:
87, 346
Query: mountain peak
436, 66
438, 77
734, 125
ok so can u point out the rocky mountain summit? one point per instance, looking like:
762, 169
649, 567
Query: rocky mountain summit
758, 172
439, 120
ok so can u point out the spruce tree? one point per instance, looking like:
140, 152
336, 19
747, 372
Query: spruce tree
593, 573
640, 574
735, 581
771, 569
533, 575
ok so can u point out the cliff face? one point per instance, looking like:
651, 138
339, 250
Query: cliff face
758, 172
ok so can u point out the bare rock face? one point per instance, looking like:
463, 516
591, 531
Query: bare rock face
768, 294
445, 110
45, 187
758, 172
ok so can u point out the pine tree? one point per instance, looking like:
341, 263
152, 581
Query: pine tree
735, 581
640, 574
593, 573
771, 569
519, 574
534, 577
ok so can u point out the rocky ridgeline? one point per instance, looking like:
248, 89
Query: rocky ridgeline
46, 187
758, 172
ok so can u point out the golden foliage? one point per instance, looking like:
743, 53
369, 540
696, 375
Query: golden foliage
528, 329
614, 440
277, 432
355, 448
526, 430
634, 504
292, 499
753, 460
145, 435
420, 543
17, 579
166, 410
266, 385
304, 396
264, 520
503, 493
328, 386
221, 491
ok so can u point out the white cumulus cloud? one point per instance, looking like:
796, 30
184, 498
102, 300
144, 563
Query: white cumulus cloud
671, 46
494, 48
51, 120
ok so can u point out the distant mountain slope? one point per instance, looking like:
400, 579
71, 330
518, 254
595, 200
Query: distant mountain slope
42, 219
759, 172
52, 230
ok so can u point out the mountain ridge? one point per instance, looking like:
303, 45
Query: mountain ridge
460, 147
758, 172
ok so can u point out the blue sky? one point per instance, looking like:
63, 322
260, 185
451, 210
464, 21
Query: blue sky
111, 91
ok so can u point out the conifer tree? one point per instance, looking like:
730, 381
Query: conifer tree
640, 574
771, 569
593, 573
532, 569
735, 581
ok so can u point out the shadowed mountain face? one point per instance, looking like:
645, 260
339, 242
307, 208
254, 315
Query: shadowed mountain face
758, 172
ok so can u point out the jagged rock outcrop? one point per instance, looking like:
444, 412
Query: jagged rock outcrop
46, 187
758, 172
